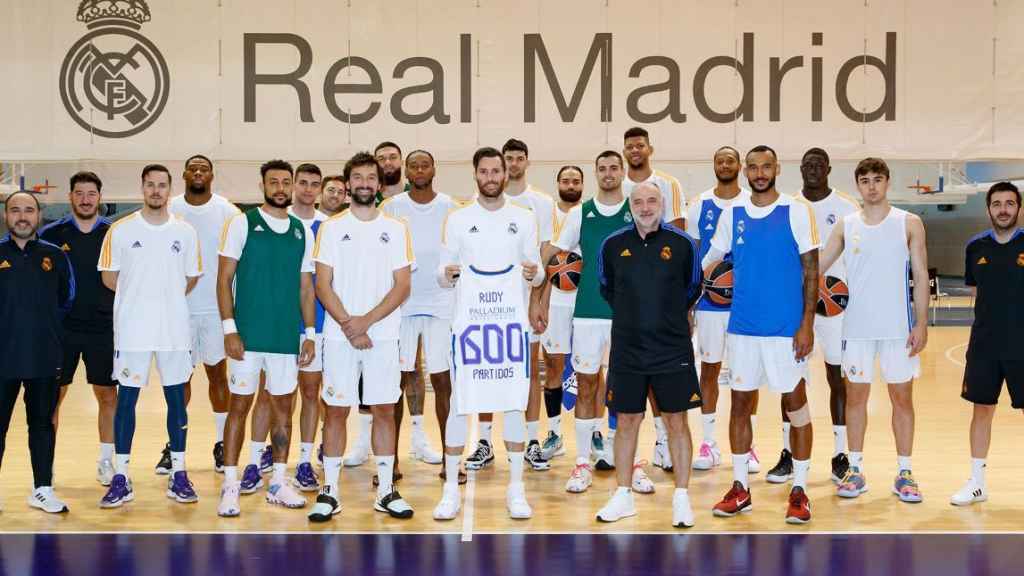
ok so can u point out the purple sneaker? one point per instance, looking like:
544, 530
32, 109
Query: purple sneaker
320, 455
267, 460
180, 489
305, 478
120, 491
251, 479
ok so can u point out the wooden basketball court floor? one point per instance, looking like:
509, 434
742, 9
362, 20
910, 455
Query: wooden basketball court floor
941, 465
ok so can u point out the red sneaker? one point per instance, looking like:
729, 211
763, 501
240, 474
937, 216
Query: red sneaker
736, 500
799, 511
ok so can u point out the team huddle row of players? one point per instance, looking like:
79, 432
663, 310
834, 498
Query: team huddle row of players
342, 300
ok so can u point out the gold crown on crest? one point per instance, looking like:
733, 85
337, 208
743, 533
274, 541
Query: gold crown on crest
120, 10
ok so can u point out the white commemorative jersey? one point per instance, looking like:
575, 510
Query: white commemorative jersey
828, 212
209, 220
543, 208
671, 193
427, 297
490, 341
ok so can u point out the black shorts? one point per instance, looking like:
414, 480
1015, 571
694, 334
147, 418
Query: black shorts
674, 391
97, 350
983, 381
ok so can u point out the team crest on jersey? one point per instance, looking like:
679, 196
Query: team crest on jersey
137, 244
710, 215
982, 260
831, 219
298, 235
512, 228
626, 252
384, 238
47, 264
125, 373
666, 253
5, 265
1020, 259
627, 217
176, 247
741, 226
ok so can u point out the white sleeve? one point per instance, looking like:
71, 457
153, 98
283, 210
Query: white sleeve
722, 239
531, 252
805, 228
235, 233
693, 219
307, 253
193, 255
110, 253
449, 251
324, 247
569, 238
546, 220
400, 249
676, 208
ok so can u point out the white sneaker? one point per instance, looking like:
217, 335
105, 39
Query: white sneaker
581, 479
753, 462
104, 472
708, 456
662, 459
358, 455
229, 506
421, 450
448, 507
44, 499
619, 506
641, 481
971, 492
515, 499
284, 495
682, 514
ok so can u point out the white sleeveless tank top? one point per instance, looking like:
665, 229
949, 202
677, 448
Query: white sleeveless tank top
877, 260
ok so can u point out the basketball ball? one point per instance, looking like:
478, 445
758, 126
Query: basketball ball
718, 282
833, 295
564, 270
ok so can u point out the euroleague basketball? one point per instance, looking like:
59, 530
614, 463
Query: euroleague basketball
564, 270
833, 295
718, 282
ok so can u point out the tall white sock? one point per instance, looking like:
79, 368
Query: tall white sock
451, 469
839, 434
739, 468
532, 429
659, 428
800, 468
255, 451
753, 422
485, 431
709, 427
385, 475
280, 468
177, 462
583, 433
230, 474
121, 464
305, 452
515, 467
785, 436
365, 426
978, 471
219, 419
417, 429
106, 451
332, 472
555, 424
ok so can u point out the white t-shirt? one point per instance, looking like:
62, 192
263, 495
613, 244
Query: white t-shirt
671, 193
318, 216
543, 207
562, 297
828, 212
693, 216
489, 240
238, 231
364, 256
425, 221
209, 221
801, 222
153, 265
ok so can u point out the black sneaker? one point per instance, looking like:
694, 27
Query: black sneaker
163, 467
840, 466
394, 505
218, 457
534, 457
324, 509
783, 470
481, 457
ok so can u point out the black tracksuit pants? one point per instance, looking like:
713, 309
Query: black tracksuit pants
40, 402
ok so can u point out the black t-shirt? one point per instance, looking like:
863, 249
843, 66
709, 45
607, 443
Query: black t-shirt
997, 270
650, 284
93, 310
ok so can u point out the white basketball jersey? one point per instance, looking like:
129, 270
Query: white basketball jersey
490, 341
877, 262
829, 213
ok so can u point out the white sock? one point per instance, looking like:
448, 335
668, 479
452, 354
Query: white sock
800, 468
583, 444
417, 429
659, 427
753, 422
611, 434
839, 434
739, 468
255, 451
857, 460
485, 431
230, 474
219, 419
332, 471
978, 471
106, 451
305, 452
709, 427
121, 464
451, 469
280, 469
902, 463
681, 492
531, 430
515, 467
365, 424
385, 475
177, 462
785, 436
555, 424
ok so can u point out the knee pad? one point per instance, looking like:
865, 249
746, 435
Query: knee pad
515, 426
456, 429
800, 417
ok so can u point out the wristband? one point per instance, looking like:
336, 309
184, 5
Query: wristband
310, 333
229, 326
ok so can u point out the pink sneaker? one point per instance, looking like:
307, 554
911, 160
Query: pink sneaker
708, 456
753, 462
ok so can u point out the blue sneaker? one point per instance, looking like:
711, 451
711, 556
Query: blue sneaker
267, 460
305, 478
120, 491
251, 479
180, 489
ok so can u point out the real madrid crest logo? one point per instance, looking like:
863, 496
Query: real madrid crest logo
114, 82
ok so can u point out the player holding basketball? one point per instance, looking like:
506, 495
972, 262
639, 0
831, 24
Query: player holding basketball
878, 245
774, 245
995, 270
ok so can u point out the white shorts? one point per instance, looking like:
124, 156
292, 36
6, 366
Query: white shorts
590, 342
828, 337
557, 338
757, 359
282, 373
437, 341
132, 368
207, 339
378, 366
711, 335
317, 365
893, 358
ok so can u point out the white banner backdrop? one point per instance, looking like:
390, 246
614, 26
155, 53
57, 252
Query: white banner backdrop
247, 80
